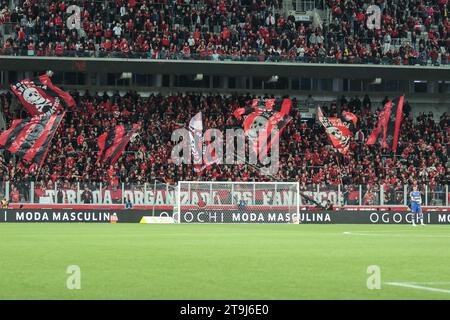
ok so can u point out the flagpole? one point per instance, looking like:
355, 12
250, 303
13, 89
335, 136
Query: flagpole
340, 169
38, 173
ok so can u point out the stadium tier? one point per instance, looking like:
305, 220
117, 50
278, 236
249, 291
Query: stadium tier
408, 33
306, 155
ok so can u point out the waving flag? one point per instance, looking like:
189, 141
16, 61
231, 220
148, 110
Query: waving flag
264, 122
29, 139
394, 120
113, 143
40, 96
196, 139
389, 121
339, 130
375, 135
198, 146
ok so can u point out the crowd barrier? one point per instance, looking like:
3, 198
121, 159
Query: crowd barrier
157, 194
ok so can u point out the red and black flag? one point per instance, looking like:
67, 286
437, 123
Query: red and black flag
40, 96
389, 121
339, 129
393, 122
375, 135
203, 156
29, 139
264, 122
113, 142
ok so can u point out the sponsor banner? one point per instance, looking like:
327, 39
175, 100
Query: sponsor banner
44, 215
309, 217
197, 215
76, 216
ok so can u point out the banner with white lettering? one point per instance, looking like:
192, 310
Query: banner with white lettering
197, 215
166, 197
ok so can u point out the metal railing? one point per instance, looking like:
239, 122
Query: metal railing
249, 57
162, 194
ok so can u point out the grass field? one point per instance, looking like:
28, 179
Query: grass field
133, 261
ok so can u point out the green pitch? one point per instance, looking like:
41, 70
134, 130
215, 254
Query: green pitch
132, 261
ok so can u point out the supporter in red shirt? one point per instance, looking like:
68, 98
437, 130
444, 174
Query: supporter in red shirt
108, 33
107, 45
14, 195
21, 36
58, 21
59, 49
124, 46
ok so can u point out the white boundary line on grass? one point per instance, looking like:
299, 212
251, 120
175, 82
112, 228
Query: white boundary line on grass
413, 285
397, 234
428, 282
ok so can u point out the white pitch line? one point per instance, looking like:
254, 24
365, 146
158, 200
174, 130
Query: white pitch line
417, 235
427, 282
414, 286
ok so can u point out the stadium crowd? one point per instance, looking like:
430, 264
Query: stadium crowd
411, 31
305, 154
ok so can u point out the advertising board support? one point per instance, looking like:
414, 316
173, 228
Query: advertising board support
405, 195
360, 195
446, 198
32, 192
123, 192
7, 190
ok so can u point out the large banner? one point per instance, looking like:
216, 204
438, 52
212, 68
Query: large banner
223, 216
167, 197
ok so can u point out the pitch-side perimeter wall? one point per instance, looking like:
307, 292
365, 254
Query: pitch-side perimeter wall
83, 207
221, 216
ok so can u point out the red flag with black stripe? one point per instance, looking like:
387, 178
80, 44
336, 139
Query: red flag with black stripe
113, 142
40, 96
29, 139
393, 122
339, 129
375, 135
265, 119
389, 122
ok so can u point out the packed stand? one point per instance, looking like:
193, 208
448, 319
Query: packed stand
305, 154
412, 32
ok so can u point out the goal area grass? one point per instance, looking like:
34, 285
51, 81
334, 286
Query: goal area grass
246, 261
